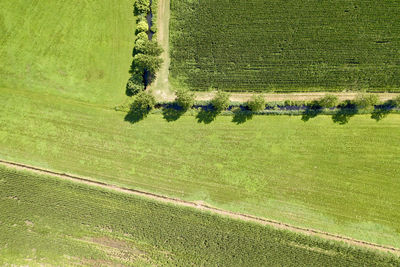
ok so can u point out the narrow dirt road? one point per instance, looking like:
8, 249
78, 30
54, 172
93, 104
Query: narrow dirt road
201, 206
160, 87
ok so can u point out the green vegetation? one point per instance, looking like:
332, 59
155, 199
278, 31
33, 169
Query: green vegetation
184, 99
220, 102
70, 49
46, 220
329, 101
146, 54
257, 103
337, 178
281, 45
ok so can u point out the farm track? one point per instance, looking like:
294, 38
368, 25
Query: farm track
201, 206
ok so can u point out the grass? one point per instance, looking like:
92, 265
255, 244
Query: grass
338, 178
58, 91
79, 50
285, 45
48, 221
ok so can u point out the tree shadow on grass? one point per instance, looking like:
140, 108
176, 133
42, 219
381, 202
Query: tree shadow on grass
241, 116
380, 112
172, 112
206, 115
345, 111
312, 110
342, 116
135, 114
310, 113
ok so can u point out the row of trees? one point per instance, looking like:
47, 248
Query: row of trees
146, 53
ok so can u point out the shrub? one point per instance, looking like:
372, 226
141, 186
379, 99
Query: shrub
142, 36
396, 101
366, 101
134, 85
142, 26
148, 47
142, 6
329, 101
257, 103
144, 102
185, 99
220, 101
147, 62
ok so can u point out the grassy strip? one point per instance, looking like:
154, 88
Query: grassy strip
285, 46
45, 220
336, 178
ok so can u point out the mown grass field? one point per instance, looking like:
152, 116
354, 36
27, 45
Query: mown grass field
75, 49
337, 178
48, 221
285, 46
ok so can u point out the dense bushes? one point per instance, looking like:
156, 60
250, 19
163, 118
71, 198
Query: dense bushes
184, 99
146, 54
220, 101
257, 103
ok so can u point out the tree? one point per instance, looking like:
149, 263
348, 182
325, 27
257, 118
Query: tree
147, 62
396, 101
220, 101
185, 99
142, 26
142, 6
366, 101
257, 103
144, 102
148, 47
142, 36
135, 84
329, 101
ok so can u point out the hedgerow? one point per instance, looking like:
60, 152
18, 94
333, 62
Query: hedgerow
146, 54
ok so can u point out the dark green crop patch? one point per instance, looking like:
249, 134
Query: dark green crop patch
280, 45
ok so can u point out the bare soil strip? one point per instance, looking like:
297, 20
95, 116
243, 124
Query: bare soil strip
202, 206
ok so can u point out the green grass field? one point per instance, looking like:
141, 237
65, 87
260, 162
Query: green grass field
64, 67
285, 46
75, 49
48, 221
338, 178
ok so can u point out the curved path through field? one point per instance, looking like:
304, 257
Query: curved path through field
201, 206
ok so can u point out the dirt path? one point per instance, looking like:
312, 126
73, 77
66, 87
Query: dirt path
202, 206
160, 88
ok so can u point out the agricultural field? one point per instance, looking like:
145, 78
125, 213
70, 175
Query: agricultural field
285, 46
48, 221
80, 49
338, 178
64, 67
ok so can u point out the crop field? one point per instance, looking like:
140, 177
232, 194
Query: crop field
338, 178
45, 220
74, 49
285, 46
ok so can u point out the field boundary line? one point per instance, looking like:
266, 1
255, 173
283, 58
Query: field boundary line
203, 207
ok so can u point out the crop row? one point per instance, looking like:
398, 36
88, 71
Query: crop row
286, 45
179, 236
